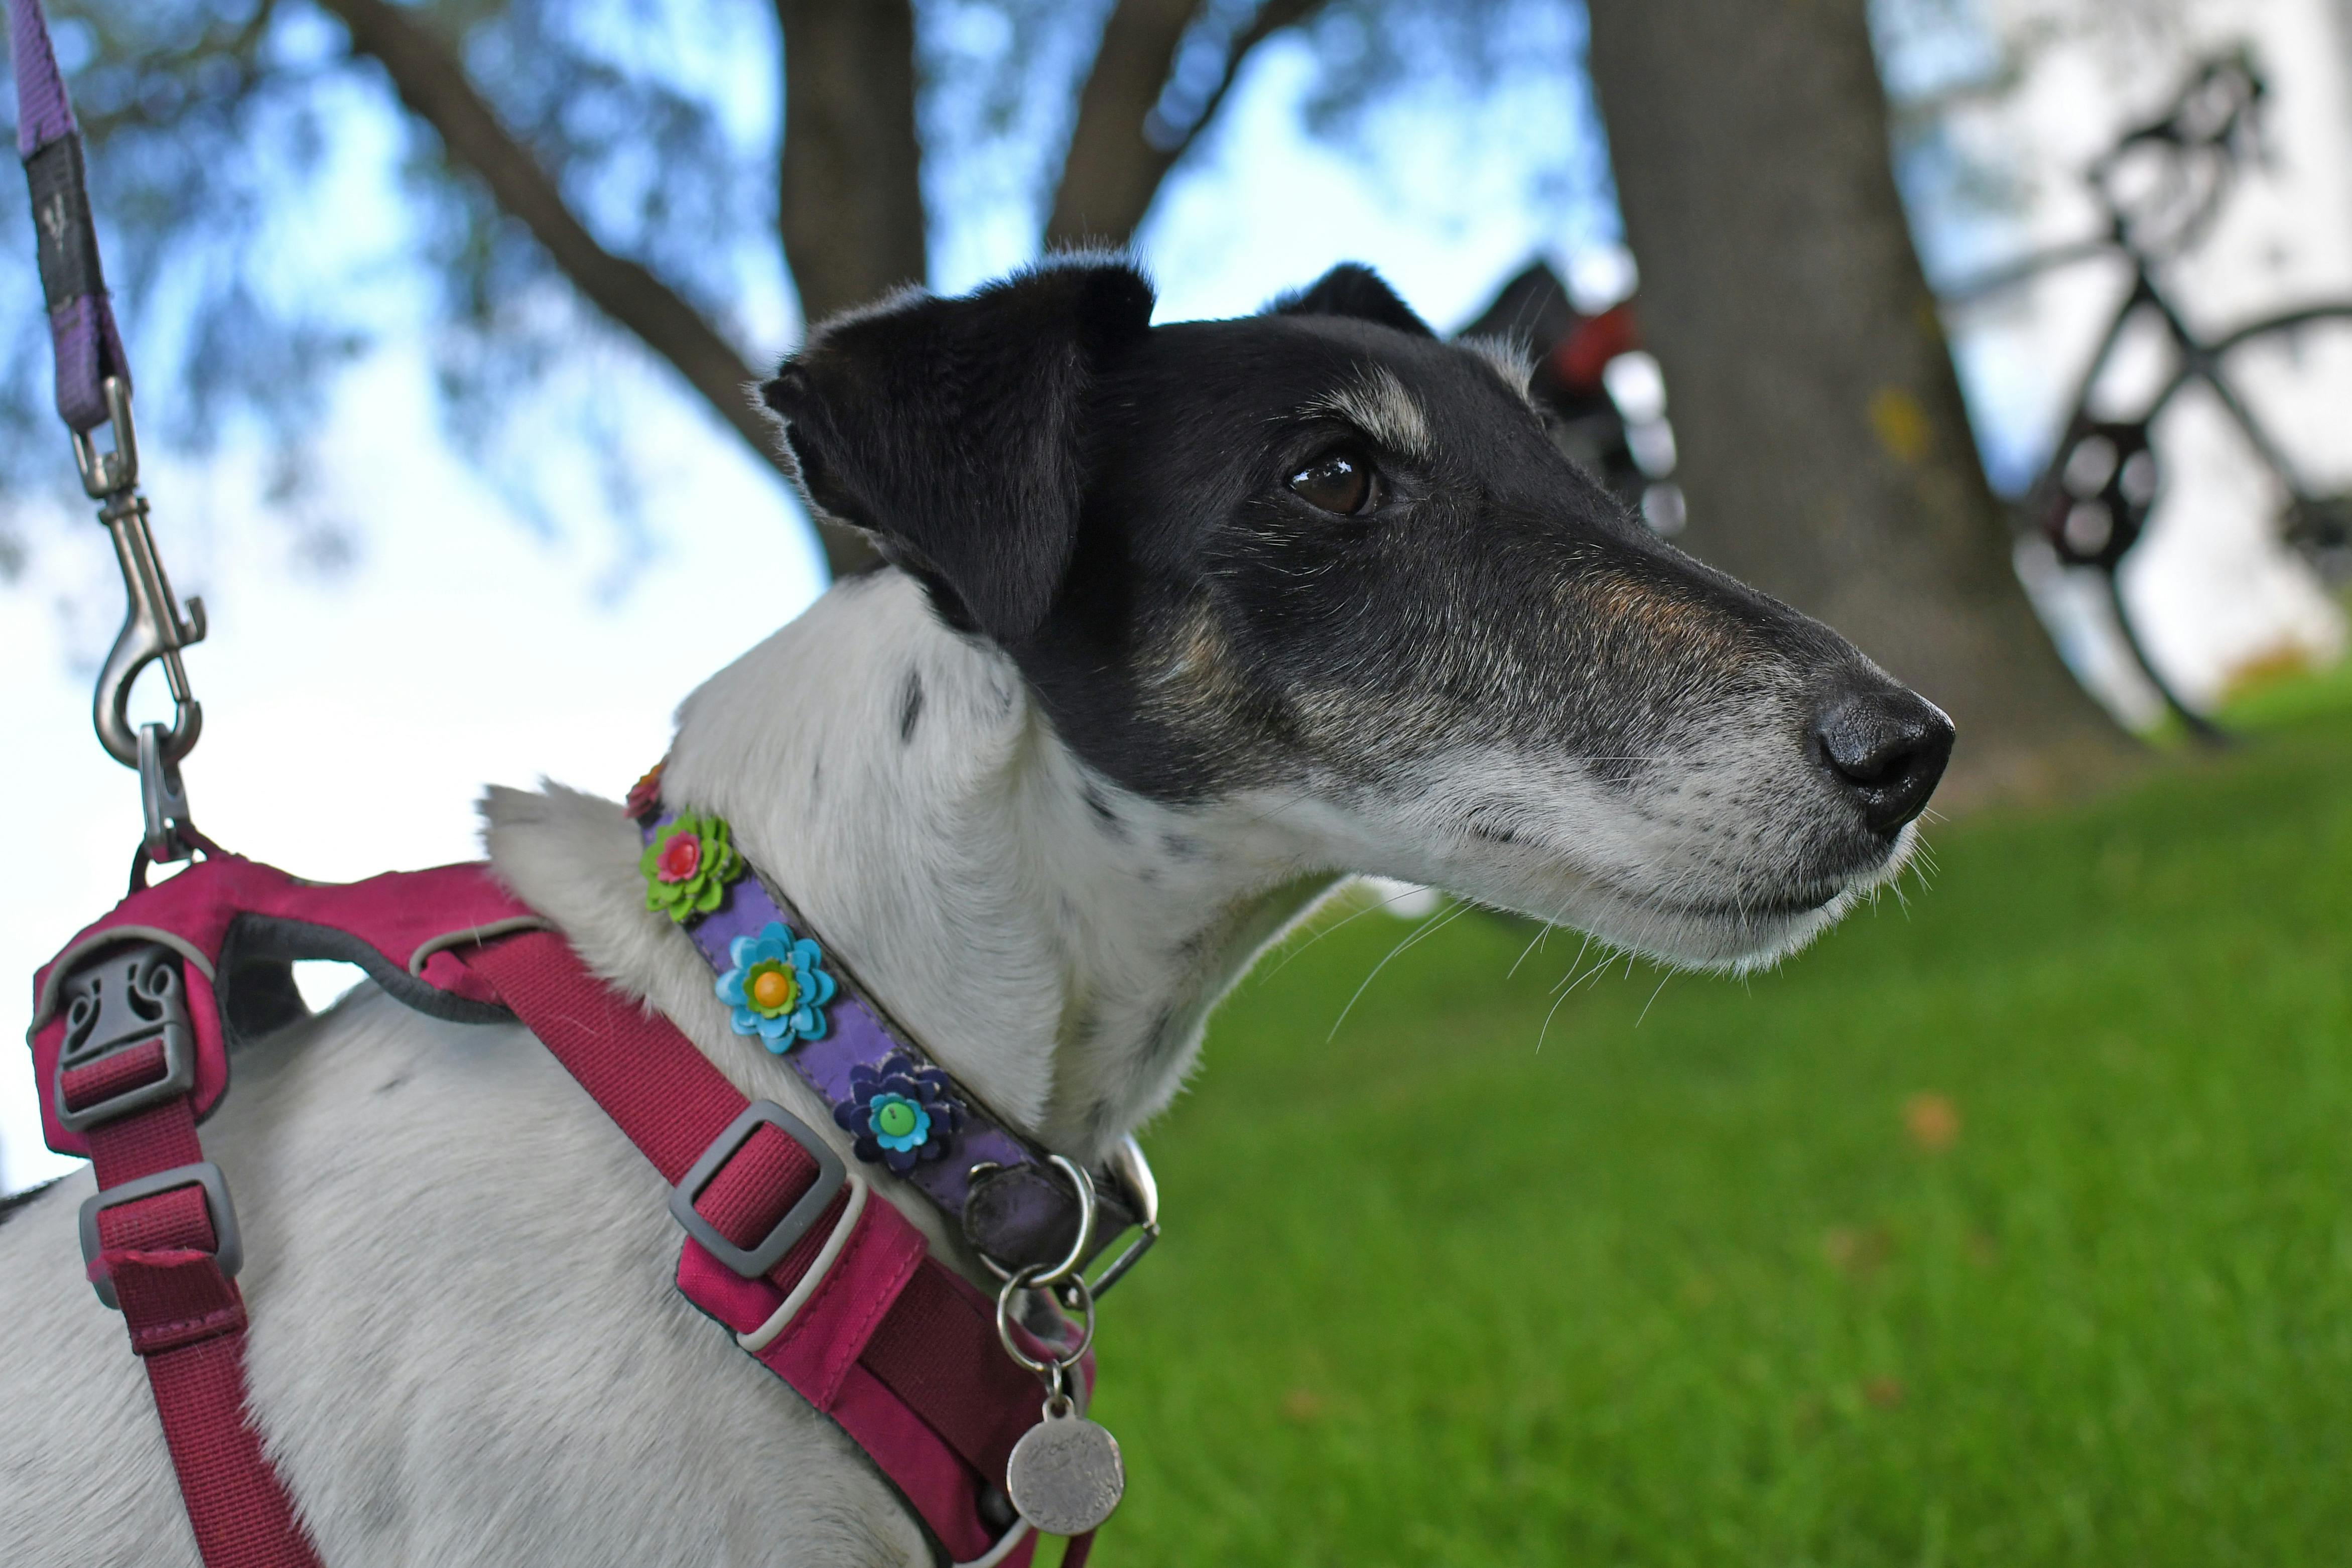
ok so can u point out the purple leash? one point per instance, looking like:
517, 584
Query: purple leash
82, 323
94, 389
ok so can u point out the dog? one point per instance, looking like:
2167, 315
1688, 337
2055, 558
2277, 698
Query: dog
1178, 627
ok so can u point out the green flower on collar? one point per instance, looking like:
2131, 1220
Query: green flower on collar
688, 866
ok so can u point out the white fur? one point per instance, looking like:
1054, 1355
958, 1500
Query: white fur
1683, 870
1377, 403
1509, 358
465, 1347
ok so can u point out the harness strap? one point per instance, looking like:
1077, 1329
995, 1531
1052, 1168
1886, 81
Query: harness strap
163, 1254
832, 1292
897, 1349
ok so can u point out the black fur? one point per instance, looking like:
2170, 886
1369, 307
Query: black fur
11, 1202
949, 428
1105, 816
1109, 503
1350, 289
910, 706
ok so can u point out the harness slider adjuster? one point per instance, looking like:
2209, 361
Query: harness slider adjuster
121, 1001
753, 1261
228, 1243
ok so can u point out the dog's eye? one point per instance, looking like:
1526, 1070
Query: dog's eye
1340, 481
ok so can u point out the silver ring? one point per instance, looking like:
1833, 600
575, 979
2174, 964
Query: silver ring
1070, 1264
1053, 1367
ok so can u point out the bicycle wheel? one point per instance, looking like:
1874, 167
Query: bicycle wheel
2289, 378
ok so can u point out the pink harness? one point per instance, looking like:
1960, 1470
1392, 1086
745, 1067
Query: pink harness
131, 1029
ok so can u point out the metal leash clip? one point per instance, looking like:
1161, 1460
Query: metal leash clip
153, 629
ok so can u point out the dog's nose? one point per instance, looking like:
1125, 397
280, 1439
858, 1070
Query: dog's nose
1889, 747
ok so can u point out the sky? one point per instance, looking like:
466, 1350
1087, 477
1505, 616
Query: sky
353, 717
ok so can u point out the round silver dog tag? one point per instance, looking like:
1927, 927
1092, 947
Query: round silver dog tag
1066, 1476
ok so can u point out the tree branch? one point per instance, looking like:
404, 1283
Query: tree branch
1114, 170
433, 85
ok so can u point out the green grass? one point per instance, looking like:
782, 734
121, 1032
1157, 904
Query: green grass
1685, 1286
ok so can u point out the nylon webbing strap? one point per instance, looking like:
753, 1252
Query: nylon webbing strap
890, 1343
82, 322
934, 1348
660, 1091
187, 1322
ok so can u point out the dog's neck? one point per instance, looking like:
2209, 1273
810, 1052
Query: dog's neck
1055, 942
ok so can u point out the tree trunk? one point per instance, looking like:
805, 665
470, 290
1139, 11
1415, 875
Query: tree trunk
1825, 451
851, 205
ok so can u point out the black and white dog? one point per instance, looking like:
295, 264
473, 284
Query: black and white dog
1182, 625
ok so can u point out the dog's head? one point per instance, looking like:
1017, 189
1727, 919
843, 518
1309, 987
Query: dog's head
1319, 557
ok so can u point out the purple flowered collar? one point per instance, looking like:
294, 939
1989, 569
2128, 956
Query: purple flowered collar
783, 988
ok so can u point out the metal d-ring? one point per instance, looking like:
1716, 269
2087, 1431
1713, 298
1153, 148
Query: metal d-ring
1068, 1267
1053, 1367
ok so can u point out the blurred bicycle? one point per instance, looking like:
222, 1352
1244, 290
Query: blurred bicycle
2283, 382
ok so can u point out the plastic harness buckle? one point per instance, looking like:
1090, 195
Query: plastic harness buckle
753, 1261
124, 1001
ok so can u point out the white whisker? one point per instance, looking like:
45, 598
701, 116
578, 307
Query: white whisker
1429, 927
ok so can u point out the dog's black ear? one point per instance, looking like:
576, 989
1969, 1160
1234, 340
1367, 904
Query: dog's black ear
950, 429
1354, 290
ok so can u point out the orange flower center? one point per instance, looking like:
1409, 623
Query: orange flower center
772, 990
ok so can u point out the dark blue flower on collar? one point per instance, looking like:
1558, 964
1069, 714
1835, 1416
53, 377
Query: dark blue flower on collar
899, 1111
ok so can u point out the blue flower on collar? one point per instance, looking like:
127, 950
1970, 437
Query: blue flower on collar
899, 1112
778, 987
